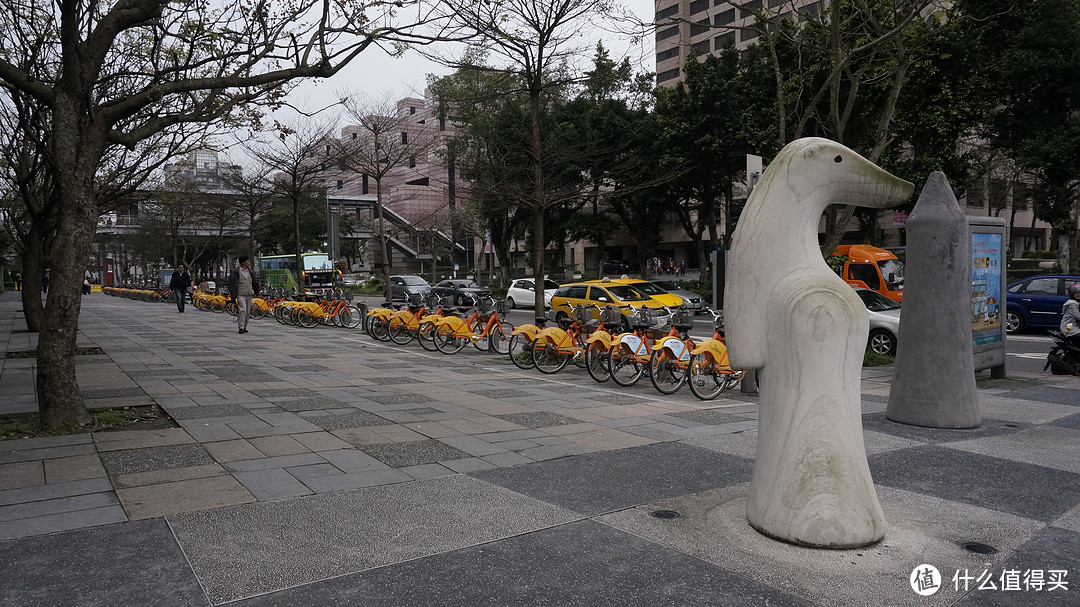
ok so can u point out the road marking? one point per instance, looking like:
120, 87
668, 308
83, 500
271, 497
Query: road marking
1033, 338
1031, 355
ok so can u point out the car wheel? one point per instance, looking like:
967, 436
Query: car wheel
1013, 321
510, 302
457, 300
560, 316
882, 342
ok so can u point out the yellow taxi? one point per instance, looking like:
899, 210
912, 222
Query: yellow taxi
655, 292
604, 293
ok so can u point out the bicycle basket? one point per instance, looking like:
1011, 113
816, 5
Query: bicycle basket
609, 314
680, 317
501, 307
646, 316
582, 314
483, 305
415, 299
718, 323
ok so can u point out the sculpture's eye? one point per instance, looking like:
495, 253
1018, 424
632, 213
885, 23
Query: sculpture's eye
838, 159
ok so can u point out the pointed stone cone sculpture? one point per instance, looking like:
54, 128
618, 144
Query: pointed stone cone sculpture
789, 314
934, 384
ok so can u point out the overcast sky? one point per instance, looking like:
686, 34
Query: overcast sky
376, 74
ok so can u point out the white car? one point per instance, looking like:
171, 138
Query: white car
884, 316
522, 292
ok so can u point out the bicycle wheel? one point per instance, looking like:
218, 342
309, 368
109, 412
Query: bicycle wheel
308, 318
351, 317
547, 358
447, 342
379, 328
625, 370
596, 362
425, 334
520, 351
232, 308
500, 337
664, 372
704, 381
400, 333
217, 306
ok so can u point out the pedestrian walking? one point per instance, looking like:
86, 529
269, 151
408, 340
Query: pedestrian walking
179, 284
682, 268
18, 281
243, 285
45, 283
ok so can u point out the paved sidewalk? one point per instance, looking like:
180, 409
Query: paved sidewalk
317, 467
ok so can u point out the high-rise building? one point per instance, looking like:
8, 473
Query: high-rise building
702, 27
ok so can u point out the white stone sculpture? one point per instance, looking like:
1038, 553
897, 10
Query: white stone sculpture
790, 315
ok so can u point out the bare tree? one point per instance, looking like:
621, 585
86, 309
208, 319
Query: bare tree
534, 40
300, 159
118, 74
388, 140
253, 192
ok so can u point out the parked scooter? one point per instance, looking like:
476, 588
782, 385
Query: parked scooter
1064, 356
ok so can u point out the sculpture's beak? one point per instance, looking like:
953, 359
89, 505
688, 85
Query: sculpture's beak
864, 184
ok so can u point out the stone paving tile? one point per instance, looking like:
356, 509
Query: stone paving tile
356, 419
366, 529
205, 411
708, 416
426, 471
282, 461
315, 403
171, 475
61, 521
305, 473
394, 399
22, 474
538, 419
27, 455
272, 446
473, 446
45, 442
28, 510
273, 393
320, 441
147, 459
134, 439
38, 572
73, 468
357, 480
608, 439
53, 491
401, 455
272, 484
151, 501
979, 480
206, 432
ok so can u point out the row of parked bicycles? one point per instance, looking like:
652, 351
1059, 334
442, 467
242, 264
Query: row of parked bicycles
332, 308
670, 359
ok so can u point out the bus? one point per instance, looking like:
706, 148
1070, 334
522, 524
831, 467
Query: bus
280, 271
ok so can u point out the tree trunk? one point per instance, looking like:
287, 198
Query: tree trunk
383, 249
33, 269
299, 252
538, 260
59, 397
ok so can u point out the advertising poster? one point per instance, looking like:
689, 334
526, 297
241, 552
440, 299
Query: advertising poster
986, 267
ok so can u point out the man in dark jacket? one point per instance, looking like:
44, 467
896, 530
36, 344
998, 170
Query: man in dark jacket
179, 284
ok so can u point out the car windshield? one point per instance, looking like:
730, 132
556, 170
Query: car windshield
414, 280
468, 285
550, 284
893, 271
649, 288
665, 284
626, 293
876, 302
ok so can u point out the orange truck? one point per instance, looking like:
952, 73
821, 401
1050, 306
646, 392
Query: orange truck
872, 268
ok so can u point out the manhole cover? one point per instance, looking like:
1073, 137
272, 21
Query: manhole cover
979, 548
666, 514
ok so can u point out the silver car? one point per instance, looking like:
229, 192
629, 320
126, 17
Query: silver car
884, 322
691, 301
